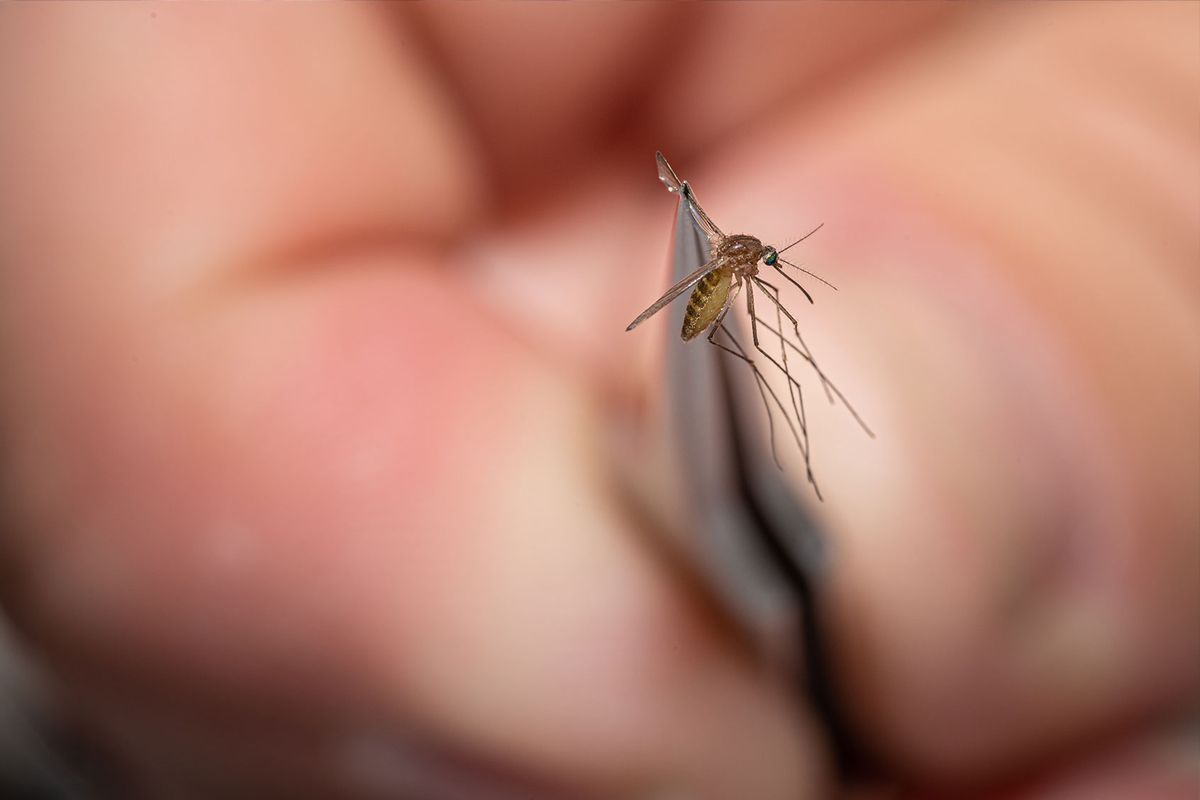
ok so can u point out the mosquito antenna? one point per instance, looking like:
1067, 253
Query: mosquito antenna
806, 272
802, 238
802, 269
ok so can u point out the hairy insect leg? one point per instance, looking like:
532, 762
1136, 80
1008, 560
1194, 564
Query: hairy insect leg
759, 379
797, 395
764, 388
794, 388
755, 320
783, 354
768, 288
750, 308
804, 353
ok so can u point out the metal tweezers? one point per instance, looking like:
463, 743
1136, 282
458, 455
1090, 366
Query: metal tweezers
750, 539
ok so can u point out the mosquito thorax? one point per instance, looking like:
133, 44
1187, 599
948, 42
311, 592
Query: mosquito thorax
739, 252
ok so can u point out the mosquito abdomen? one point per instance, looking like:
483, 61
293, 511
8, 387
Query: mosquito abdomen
706, 302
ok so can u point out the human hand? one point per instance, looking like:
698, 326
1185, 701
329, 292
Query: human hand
311, 326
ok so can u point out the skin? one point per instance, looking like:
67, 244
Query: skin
312, 360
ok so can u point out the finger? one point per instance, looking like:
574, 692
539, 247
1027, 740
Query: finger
1017, 551
266, 470
1164, 768
668, 77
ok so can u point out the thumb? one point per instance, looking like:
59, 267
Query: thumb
1018, 560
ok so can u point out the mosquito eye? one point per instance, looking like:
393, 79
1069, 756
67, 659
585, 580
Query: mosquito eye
769, 258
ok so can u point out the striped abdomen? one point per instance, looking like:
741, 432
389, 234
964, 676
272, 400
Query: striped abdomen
706, 302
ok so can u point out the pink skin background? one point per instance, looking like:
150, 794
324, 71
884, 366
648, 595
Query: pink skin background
312, 354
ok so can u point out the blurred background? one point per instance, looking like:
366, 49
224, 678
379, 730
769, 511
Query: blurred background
328, 470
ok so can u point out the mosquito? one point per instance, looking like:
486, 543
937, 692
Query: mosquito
715, 286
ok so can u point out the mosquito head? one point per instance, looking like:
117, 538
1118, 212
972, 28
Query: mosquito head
770, 255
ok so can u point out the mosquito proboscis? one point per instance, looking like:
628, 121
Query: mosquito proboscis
715, 286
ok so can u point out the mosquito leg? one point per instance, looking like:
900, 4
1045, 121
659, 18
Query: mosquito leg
794, 389
764, 387
759, 382
807, 354
808, 357
798, 404
791, 380
759, 379
793, 385
750, 308
783, 354
774, 297
791, 392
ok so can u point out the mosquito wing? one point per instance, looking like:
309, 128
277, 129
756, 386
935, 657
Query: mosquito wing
687, 283
667, 175
684, 190
710, 228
